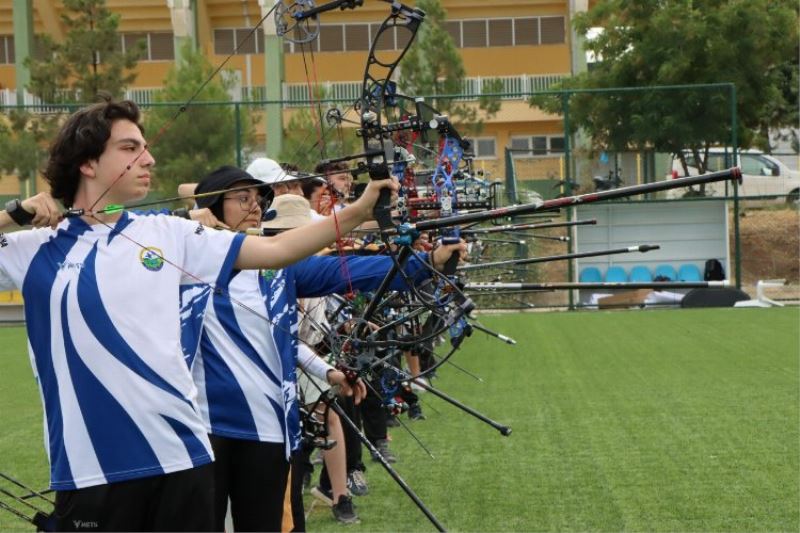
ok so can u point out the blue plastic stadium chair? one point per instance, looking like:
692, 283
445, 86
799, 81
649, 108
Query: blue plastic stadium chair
641, 274
666, 271
689, 273
616, 274
590, 275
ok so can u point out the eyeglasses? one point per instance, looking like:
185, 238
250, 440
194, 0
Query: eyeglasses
246, 202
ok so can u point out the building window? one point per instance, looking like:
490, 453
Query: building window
557, 144
453, 27
242, 40
485, 148
331, 38
526, 31
386, 40
7, 50
521, 146
474, 32
553, 31
537, 145
130, 41
245, 42
356, 37
158, 46
501, 32
223, 42
162, 47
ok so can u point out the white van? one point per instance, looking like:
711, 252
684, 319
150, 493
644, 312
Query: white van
762, 174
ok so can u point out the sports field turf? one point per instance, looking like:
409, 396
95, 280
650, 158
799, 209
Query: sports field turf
672, 420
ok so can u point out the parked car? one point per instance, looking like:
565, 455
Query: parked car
763, 175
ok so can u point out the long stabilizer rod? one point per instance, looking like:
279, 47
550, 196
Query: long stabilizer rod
732, 174
522, 227
526, 261
655, 285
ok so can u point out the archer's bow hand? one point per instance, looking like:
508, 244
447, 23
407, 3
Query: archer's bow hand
442, 253
356, 389
368, 199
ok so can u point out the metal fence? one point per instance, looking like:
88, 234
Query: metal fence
547, 158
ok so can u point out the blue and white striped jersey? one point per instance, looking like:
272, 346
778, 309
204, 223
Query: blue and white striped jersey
244, 349
101, 309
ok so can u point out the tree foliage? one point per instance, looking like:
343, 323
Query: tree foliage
22, 142
433, 66
89, 61
751, 43
309, 138
189, 144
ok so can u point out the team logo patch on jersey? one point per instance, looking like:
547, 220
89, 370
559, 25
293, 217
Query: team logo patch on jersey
268, 275
152, 258
3, 241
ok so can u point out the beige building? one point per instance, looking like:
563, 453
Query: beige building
526, 44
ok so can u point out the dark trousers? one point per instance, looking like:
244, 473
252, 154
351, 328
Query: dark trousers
351, 437
180, 501
351, 442
298, 511
253, 475
373, 415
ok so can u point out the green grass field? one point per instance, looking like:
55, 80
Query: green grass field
672, 420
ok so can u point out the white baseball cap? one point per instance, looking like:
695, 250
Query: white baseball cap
267, 170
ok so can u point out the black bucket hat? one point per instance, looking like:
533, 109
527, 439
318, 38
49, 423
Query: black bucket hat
221, 179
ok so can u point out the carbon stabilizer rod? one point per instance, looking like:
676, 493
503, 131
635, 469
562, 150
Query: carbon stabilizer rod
642, 248
386, 466
521, 227
504, 430
611, 194
484, 329
655, 285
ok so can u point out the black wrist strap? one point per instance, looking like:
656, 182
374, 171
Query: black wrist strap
181, 212
17, 213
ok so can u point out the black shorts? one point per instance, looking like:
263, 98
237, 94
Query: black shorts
253, 475
180, 501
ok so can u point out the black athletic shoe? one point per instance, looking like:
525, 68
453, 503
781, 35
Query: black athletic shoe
415, 412
383, 449
344, 511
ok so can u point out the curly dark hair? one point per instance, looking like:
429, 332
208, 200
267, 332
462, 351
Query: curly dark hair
309, 186
331, 168
83, 138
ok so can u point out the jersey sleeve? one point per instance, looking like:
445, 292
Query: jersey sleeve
323, 275
17, 250
209, 254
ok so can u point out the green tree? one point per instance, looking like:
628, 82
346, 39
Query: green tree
21, 143
433, 66
88, 62
751, 43
188, 143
